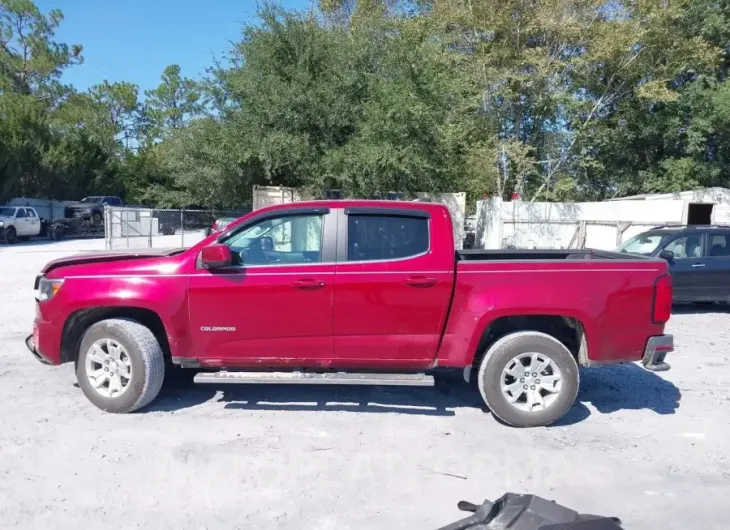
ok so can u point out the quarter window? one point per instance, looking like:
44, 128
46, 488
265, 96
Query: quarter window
384, 237
286, 240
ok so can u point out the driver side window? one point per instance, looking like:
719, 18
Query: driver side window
686, 247
286, 240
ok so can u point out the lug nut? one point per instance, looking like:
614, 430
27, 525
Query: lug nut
522, 380
533, 387
534, 375
537, 381
527, 374
106, 369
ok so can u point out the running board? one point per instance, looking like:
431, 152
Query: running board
314, 378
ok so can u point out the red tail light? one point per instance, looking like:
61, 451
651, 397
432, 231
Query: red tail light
662, 307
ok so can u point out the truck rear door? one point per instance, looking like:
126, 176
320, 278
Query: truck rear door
393, 284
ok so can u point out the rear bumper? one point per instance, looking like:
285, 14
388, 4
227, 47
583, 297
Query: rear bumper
656, 351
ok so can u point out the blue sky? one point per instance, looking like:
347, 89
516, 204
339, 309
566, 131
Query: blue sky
133, 40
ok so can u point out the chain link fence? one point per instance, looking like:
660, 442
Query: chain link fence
132, 227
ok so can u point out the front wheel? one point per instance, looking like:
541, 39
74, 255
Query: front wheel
11, 236
528, 379
120, 366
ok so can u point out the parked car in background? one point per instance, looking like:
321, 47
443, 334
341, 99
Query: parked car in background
351, 292
91, 208
698, 257
219, 224
18, 222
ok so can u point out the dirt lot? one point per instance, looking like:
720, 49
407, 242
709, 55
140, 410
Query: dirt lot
652, 449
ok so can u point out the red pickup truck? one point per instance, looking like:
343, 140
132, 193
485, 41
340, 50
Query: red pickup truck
351, 292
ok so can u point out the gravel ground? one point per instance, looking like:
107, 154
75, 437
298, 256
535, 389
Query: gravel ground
652, 449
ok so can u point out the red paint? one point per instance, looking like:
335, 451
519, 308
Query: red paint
417, 312
215, 256
662, 299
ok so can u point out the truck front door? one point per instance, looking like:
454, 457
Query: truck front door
22, 227
274, 306
392, 287
687, 268
34, 223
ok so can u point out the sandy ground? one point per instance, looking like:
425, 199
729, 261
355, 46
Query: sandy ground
652, 449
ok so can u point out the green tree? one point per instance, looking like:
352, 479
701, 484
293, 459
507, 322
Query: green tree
31, 62
173, 103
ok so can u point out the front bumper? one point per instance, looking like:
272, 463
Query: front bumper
655, 352
30, 343
45, 342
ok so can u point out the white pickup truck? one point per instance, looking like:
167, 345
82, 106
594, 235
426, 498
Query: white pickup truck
18, 222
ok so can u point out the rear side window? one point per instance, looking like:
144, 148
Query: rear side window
383, 237
113, 201
718, 245
31, 213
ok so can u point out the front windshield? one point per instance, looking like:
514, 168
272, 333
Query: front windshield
644, 244
7, 212
91, 200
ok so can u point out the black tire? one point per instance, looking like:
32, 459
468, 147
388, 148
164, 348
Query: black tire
57, 232
97, 219
147, 364
502, 354
11, 236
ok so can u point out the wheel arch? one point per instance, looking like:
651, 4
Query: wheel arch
567, 329
82, 319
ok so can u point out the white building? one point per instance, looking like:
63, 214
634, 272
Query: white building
600, 225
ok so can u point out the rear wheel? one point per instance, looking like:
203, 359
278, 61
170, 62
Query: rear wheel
120, 365
11, 236
528, 379
56, 232
97, 219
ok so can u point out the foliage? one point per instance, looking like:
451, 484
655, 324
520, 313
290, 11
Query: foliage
552, 99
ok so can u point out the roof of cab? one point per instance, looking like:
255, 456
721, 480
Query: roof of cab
357, 203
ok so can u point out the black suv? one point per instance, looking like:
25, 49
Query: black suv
698, 257
91, 208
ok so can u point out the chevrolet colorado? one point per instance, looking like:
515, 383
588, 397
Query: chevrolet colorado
351, 292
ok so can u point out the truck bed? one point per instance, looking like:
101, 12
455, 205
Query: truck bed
610, 294
542, 255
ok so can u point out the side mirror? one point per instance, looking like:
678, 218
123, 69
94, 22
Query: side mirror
667, 255
216, 256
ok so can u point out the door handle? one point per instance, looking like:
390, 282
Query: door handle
307, 283
696, 265
421, 281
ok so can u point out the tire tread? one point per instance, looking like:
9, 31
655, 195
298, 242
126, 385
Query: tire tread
151, 355
505, 343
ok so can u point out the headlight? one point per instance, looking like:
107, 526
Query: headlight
87, 210
2, 224
47, 289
